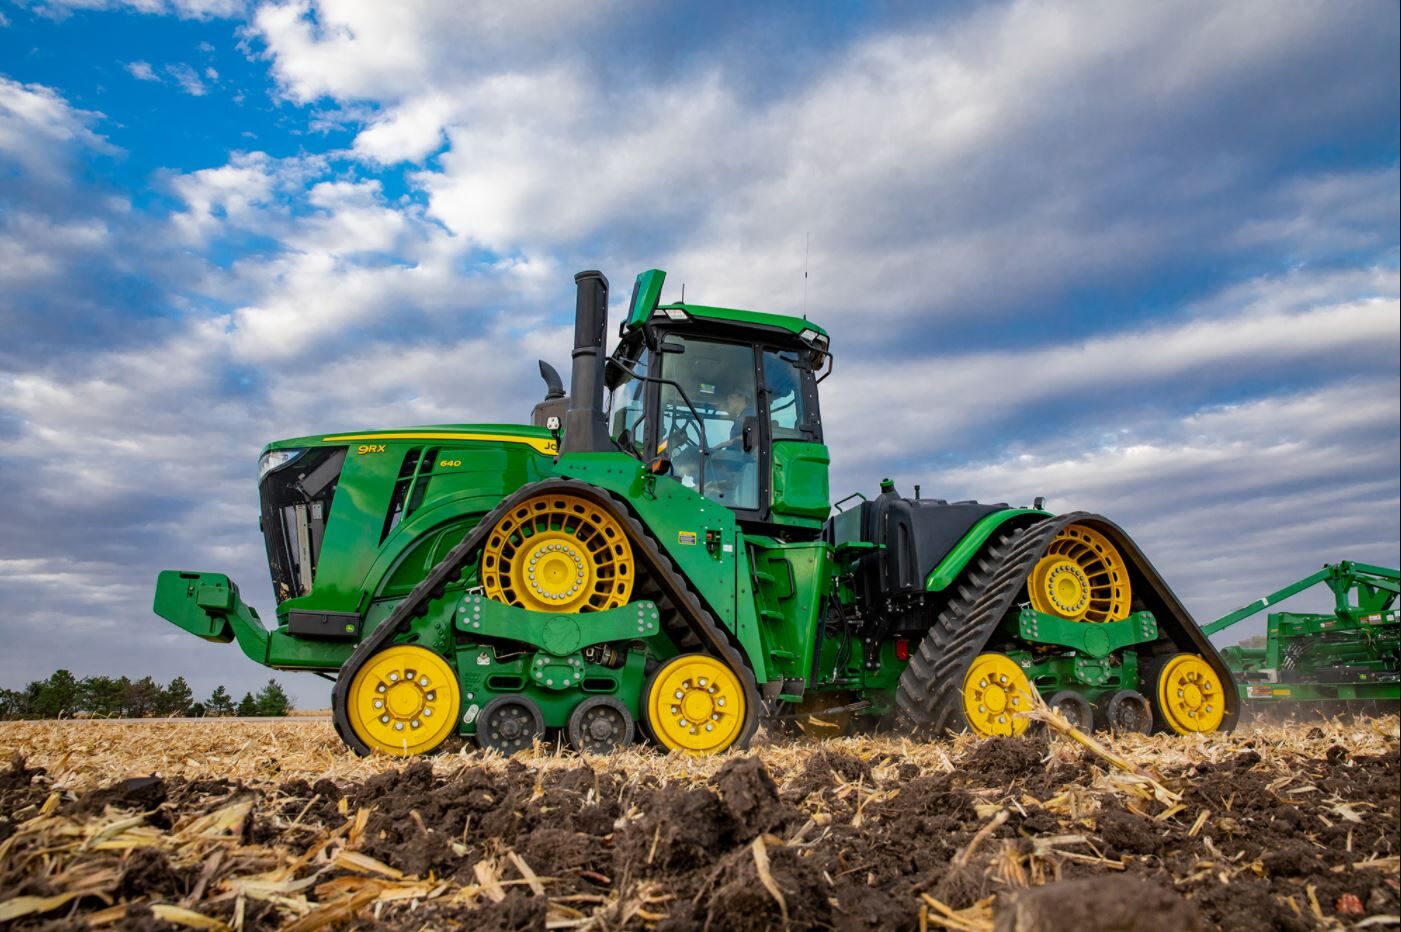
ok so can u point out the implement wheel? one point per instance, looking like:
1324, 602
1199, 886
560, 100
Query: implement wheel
995, 692
1189, 694
558, 553
1082, 577
694, 704
404, 701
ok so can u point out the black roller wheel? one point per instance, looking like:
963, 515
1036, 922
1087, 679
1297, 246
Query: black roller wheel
600, 724
1076, 709
1128, 711
509, 724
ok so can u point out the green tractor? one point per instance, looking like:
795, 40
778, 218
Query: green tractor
658, 552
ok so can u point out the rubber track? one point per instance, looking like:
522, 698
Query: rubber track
685, 619
931, 688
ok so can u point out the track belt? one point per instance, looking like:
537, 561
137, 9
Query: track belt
684, 617
930, 688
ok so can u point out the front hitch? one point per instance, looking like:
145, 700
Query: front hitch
208, 606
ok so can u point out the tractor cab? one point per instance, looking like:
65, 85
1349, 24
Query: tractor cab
724, 402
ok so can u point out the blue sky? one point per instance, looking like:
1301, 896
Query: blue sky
1137, 258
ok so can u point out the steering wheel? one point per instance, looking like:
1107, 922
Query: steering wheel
689, 436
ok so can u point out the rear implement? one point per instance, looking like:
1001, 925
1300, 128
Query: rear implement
1347, 659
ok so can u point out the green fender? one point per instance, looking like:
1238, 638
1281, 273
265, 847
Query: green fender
952, 565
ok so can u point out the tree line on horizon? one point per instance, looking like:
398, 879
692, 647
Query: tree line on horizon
64, 695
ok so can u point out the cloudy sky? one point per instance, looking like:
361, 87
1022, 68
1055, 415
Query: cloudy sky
1137, 258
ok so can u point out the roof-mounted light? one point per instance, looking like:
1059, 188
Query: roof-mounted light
676, 313
812, 336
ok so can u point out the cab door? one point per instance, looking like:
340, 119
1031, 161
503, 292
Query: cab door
799, 462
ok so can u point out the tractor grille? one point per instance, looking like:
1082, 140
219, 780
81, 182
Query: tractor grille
296, 504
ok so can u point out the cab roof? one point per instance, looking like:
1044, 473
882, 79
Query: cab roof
794, 325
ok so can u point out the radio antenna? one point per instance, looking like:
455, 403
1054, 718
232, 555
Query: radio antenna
807, 244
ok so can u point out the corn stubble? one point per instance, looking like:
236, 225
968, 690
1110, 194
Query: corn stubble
267, 824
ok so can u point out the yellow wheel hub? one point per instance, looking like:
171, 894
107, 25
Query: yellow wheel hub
995, 692
1082, 577
558, 553
404, 701
1190, 695
695, 705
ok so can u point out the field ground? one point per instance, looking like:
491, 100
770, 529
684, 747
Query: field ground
265, 824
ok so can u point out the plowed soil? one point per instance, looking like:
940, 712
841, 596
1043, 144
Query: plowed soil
253, 825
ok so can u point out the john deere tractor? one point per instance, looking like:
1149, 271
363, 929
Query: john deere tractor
657, 555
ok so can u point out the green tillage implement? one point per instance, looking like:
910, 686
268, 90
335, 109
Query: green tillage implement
1349, 656
655, 555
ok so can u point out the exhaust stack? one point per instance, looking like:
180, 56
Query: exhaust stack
585, 426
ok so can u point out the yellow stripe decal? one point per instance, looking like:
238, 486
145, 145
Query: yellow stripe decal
542, 444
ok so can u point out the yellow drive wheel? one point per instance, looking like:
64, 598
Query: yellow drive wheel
1191, 698
1082, 577
995, 692
558, 553
695, 704
404, 701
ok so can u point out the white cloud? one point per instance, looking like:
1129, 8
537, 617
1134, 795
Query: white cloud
409, 132
39, 130
1256, 329
365, 49
142, 71
36, 248
904, 161
236, 196
1335, 210
187, 78
185, 9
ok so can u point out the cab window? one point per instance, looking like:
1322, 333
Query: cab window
720, 381
627, 409
789, 417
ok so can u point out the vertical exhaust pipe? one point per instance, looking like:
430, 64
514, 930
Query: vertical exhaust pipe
585, 425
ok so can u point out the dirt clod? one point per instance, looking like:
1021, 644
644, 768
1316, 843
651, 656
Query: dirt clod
1092, 905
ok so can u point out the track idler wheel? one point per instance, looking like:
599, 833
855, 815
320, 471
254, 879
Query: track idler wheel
694, 704
995, 694
1190, 698
1076, 709
1128, 712
1082, 577
510, 724
600, 724
404, 701
556, 552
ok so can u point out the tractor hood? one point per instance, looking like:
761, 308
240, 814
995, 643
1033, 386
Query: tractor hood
537, 437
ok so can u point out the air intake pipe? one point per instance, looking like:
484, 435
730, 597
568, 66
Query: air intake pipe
585, 425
